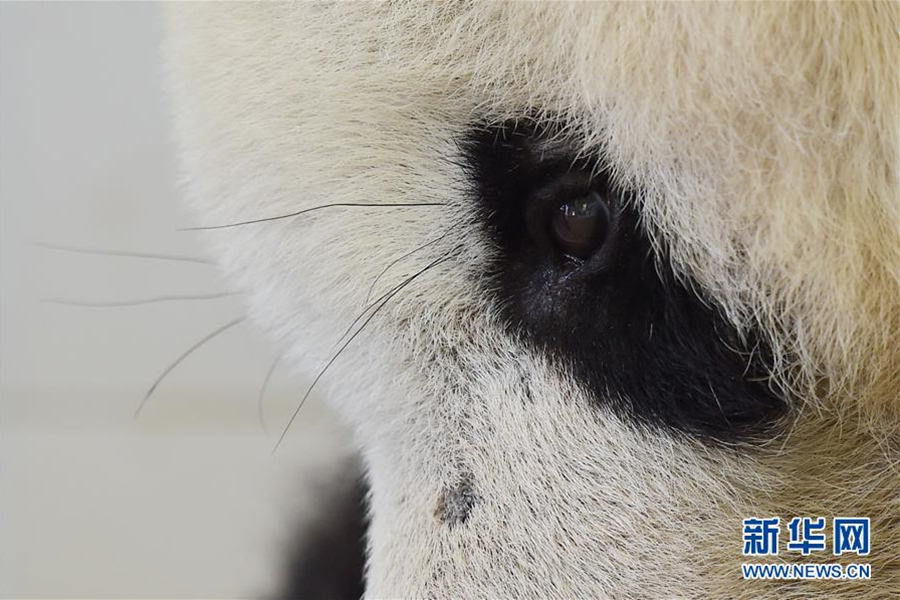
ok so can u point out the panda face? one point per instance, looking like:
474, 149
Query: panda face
605, 278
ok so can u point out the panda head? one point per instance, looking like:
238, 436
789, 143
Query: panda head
603, 279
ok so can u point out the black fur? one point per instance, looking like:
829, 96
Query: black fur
330, 562
621, 321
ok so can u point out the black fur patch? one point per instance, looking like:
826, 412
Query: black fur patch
330, 562
621, 321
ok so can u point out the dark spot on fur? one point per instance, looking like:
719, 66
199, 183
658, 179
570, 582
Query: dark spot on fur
454, 504
526, 385
636, 335
527, 388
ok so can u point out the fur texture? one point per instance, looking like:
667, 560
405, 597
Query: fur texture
764, 140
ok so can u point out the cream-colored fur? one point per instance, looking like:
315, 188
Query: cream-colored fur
764, 138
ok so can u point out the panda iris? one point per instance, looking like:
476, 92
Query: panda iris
607, 279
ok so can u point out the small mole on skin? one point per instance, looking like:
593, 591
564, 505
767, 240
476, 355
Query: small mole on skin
454, 505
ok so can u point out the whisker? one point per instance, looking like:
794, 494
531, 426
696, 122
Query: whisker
371, 306
407, 255
347, 343
309, 210
122, 253
365, 311
262, 395
178, 361
138, 302
375, 303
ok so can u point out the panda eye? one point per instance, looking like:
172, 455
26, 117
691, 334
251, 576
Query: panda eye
579, 226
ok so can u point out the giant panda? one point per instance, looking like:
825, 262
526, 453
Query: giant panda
593, 284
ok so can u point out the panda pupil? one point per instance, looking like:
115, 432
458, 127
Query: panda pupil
579, 226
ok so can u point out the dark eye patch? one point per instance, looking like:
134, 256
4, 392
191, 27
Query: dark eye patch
576, 275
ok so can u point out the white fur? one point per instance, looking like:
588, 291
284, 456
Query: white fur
764, 138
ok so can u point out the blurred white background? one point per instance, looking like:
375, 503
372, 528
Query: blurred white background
184, 501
